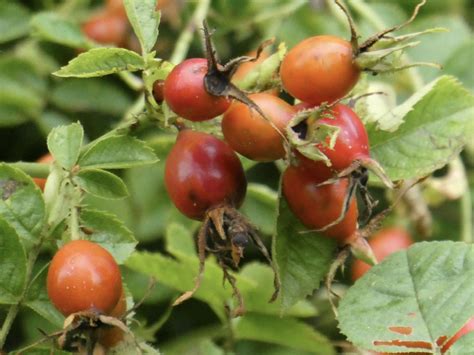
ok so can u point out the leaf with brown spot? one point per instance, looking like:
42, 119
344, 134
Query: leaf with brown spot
426, 289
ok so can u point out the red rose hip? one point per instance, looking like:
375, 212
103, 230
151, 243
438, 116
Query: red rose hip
185, 94
318, 206
319, 69
251, 135
203, 172
83, 276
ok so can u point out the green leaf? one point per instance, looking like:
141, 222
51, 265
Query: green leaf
101, 183
108, 231
260, 207
207, 347
180, 275
459, 64
258, 290
37, 299
12, 264
21, 204
50, 120
100, 62
117, 152
11, 116
420, 294
433, 132
23, 72
179, 239
303, 259
438, 47
93, 95
14, 21
22, 91
145, 21
54, 28
64, 143
282, 331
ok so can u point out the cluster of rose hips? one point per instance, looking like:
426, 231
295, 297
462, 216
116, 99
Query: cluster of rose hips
205, 178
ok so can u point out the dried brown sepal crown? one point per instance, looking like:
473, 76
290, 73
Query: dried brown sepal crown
80, 333
217, 80
305, 131
225, 233
380, 53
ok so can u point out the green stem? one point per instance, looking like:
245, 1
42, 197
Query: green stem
74, 223
134, 82
13, 311
37, 170
184, 41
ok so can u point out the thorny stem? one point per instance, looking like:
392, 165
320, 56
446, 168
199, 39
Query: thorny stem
13, 311
184, 41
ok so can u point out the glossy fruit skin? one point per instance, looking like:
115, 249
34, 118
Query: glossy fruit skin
185, 94
316, 168
158, 91
109, 337
317, 206
83, 276
107, 27
249, 134
384, 243
45, 159
352, 143
202, 172
319, 69
467, 328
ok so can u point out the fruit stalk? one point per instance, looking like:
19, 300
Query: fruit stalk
37, 170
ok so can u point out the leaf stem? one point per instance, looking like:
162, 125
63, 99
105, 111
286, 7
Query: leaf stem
185, 38
38, 170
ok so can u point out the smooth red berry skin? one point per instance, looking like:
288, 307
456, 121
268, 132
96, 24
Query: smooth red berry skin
202, 172
158, 91
319, 69
352, 142
107, 27
185, 94
384, 243
83, 276
109, 337
317, 206
249, 134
